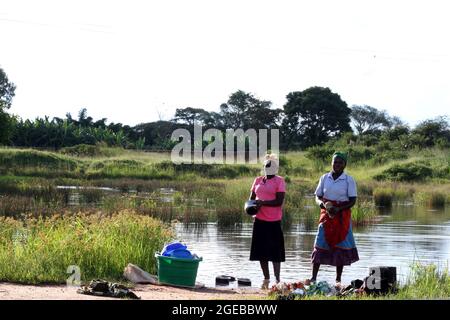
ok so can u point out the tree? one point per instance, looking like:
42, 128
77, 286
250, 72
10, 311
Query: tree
313, 116
7, 125
7, 121
192, 115
83, 118
395, 133
433, 130
245, 111
158, 134
368, 119
7, 90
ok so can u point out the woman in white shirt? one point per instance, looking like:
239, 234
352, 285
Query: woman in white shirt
335, 195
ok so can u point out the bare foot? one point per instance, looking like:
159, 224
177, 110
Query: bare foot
265, 284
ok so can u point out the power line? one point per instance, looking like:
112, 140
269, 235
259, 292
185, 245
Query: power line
42, 24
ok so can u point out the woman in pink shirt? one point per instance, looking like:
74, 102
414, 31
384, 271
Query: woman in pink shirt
267, 238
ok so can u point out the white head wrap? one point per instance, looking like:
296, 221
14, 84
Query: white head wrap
274, 164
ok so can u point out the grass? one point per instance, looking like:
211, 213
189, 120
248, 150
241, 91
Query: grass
433, 199
222, 188
364, 212
23, 158
40, 250
426, 282
85, 150
383, 197
81, 162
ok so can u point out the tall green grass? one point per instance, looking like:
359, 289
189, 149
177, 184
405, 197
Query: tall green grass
432, 199
426, 282
383, 197
40, 250
364, 212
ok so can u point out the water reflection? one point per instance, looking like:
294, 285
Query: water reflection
405, 235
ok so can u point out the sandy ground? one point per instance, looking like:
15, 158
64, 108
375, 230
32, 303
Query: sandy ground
10, 291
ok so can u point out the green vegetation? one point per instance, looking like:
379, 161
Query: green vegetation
406, 172
432, 199
87, 150
383, 197
425, 282
364, 212
41, 250
203, 192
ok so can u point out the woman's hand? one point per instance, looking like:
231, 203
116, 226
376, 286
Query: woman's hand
259, 203
328, 206
333, 211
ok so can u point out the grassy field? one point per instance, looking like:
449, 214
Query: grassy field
203, 192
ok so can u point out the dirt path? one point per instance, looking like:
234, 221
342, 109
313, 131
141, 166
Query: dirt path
146, 292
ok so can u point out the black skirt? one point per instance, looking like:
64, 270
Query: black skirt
267, 241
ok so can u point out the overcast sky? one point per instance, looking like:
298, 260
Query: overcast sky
137, 61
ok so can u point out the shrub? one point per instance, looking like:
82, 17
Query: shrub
413, 171
320, 153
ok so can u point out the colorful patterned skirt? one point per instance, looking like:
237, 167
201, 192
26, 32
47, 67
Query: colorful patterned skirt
334, 244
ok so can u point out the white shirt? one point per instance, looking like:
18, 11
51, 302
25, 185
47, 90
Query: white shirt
336, 190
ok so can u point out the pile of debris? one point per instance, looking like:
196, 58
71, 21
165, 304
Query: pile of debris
300, 289
381, 280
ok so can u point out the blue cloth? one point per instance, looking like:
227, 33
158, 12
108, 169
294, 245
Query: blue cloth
171, 247
177, 250
321, 243
181, 253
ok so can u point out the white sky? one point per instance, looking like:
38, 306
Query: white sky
137, 61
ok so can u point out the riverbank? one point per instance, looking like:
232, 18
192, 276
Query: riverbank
424, 282
10, 291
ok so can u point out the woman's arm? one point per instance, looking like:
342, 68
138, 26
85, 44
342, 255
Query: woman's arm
319, 201
278, 201
252, 196
351, 203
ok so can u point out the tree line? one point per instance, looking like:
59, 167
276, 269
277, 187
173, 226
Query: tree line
311, 117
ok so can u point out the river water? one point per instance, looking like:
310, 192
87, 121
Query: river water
405, 235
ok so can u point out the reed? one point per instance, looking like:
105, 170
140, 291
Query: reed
383, 197
431, 199
363, 213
